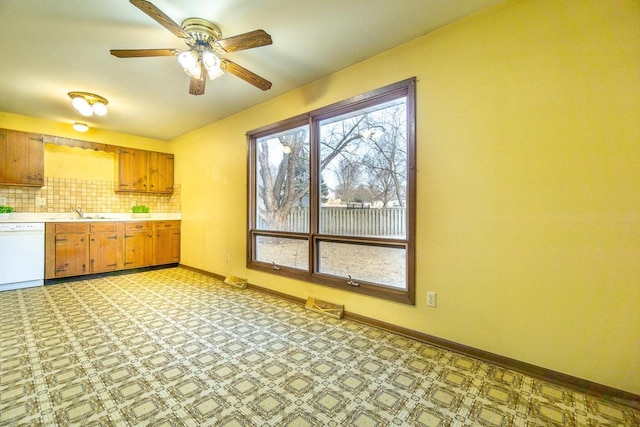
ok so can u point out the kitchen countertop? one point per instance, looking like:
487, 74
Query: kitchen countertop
88, 217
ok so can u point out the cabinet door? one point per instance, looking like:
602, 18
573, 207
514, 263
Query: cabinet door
21, 159
138, 248
160, 172
103, 249
132, 170
70, 254
167, 243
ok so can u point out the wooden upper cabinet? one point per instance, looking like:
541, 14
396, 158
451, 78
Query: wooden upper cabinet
21, 158
143, 171
160, 172
132, 170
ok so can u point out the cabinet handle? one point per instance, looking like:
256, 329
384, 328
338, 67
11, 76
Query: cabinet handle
126, 236
111, 265
112, 237
60, 240
138, 226
167, 225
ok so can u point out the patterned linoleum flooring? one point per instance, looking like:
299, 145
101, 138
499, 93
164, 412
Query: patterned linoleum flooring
176, 348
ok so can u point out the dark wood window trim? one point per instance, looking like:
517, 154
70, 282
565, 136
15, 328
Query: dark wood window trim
405, 88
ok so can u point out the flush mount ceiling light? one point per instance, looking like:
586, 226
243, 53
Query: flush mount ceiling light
80, 127
88, 104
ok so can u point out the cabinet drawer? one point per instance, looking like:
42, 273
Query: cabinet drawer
103, 226
142, 225
71, 227
160, 225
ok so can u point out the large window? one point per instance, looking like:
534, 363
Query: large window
332, 195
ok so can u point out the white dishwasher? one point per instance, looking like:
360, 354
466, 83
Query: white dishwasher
21, 255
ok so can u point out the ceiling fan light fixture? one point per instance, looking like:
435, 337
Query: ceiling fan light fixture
212, 63
190, 62
80, 127
88, 104
203, 39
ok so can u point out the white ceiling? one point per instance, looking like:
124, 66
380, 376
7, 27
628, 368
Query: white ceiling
52, 47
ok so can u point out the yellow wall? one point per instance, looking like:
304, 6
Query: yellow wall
528, 185
66, 162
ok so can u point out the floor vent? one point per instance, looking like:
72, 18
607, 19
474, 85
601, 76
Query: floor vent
236, 281
327, 308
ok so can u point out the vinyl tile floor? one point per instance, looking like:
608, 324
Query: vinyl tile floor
174, 347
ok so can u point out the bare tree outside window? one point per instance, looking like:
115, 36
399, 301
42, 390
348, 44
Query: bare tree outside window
363, 157
283, 177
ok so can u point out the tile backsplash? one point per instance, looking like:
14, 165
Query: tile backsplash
64, 194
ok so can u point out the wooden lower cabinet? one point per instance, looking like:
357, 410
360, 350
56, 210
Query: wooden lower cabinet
67, 250
138, 244
77, 248
103, 247
167, 242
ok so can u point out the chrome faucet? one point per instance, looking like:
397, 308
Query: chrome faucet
78, 210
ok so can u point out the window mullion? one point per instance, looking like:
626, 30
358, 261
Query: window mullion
314, 190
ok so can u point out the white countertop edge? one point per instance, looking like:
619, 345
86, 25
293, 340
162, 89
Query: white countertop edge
70, 217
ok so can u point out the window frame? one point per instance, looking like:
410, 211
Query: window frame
405, 88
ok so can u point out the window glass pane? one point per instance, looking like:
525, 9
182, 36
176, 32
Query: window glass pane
363, 170
282, 174
376, 264
282, 251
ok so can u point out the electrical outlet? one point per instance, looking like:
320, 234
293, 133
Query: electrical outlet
3, 201
41, 201
431, 299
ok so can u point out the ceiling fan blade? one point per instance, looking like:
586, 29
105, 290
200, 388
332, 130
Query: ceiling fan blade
196, 86
245, 74
142, 53
244, 41
160, 18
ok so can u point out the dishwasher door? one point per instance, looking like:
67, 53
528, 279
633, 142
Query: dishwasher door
21, 255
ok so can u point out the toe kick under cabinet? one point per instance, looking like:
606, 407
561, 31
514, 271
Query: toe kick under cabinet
85, 247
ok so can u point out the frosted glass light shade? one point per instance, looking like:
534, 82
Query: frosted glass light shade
212, 63
100, 108
190, 61
80, 103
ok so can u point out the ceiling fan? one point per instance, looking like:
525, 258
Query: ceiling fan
204, 39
